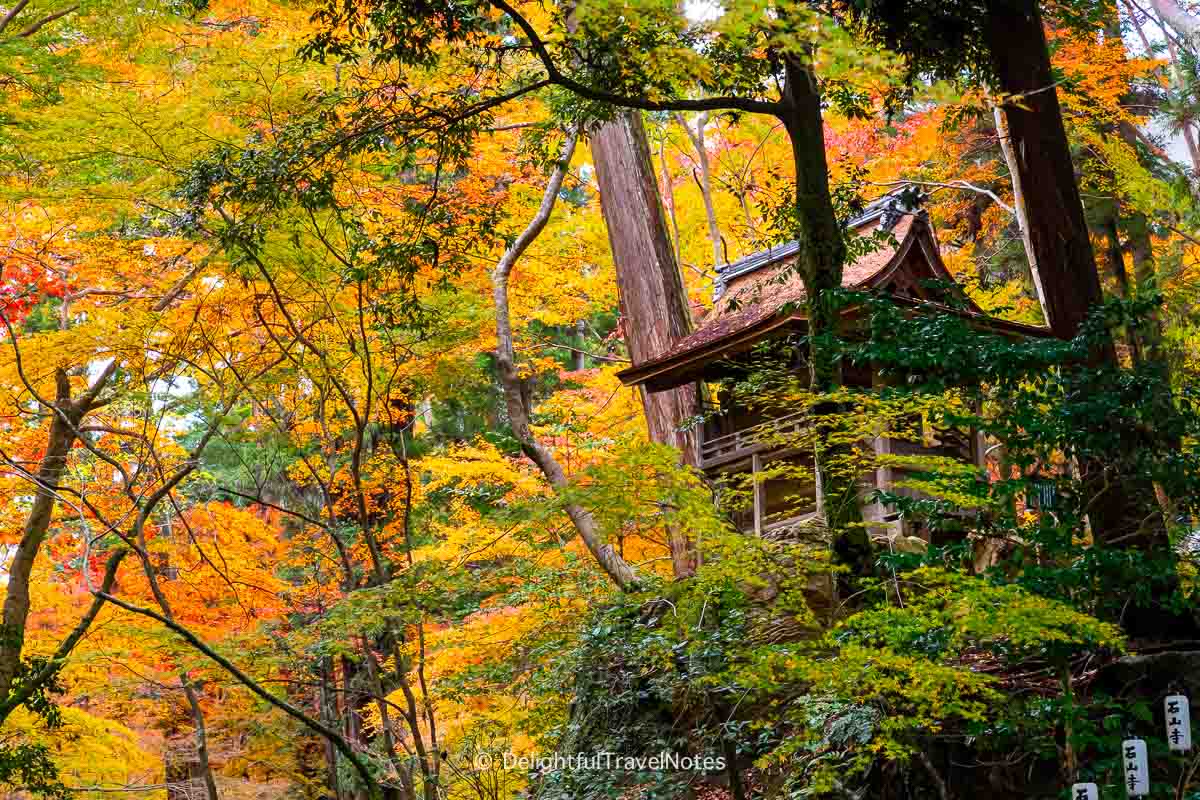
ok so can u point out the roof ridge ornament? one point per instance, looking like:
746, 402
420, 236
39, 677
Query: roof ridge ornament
907, 200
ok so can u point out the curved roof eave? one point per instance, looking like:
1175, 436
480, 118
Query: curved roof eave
677, 368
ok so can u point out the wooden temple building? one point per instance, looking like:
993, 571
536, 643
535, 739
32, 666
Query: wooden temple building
759, 299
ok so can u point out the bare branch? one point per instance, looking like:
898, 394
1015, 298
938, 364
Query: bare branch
960, 185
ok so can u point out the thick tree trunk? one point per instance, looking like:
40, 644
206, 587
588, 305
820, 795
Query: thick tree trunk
66, 415
1058, 231
822, 254
820, 261
1122, 508
654, 305
54, 464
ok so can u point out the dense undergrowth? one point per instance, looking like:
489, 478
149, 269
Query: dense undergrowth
989, 661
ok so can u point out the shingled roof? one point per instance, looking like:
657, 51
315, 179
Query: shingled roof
884, 213
758, 294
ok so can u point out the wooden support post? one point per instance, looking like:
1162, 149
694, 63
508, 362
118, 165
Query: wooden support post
884, 474
979, 448
978, 441
755, 466
818, 488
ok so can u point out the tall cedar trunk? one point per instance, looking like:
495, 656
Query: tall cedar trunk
1057, 230
654, 306
1122, 509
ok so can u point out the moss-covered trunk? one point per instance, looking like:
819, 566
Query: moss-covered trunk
1120, 503
820, 262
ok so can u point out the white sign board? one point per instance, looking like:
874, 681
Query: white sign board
1179, 722
1137, 767
1085, 791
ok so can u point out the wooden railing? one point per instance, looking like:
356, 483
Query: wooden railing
741, 444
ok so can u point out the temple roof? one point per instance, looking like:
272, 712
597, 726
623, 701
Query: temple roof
885, 213
758, 294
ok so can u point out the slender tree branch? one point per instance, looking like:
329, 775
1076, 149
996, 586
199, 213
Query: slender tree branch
609, 559
260, 502
44, 21
12, 14
556, 76
304, 719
